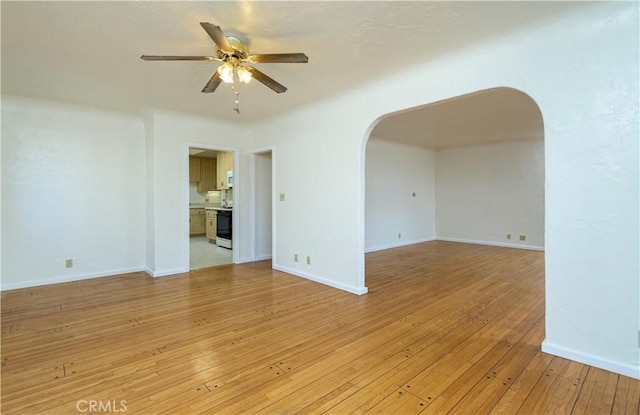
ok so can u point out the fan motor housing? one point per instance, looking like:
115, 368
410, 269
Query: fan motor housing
240, 50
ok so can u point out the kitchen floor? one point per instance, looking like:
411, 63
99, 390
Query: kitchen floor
204, 254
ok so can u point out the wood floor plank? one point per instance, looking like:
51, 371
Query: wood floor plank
363, 378
551, 394
445, 327
523, 384
598, 392
399, 402
482, 397
520, 355
627, 399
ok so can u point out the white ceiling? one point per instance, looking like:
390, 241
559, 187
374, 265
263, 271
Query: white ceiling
89, 52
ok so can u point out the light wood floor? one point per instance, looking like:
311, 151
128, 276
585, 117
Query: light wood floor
445, 327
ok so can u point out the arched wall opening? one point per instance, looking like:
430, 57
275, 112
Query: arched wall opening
465, 169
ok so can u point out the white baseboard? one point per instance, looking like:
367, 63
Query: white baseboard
465, 241
503, 245
249, 259
396, 245
165, 273
330, 283
263, 257
59, 280
615, 367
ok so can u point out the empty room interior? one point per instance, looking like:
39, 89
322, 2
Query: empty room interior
320, 207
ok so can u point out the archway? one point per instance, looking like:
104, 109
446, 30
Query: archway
466, 169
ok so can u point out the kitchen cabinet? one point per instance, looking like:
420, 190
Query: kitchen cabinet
224, 164
207, 175
194, 169
197, 221
211, 225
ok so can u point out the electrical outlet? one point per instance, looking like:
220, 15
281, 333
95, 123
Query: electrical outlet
68, 263
508, 236
295, 257
399, 236
282, 197
308, 260
523, 237
414, 194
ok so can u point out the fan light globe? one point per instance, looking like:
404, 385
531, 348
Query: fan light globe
226, 72
244, 75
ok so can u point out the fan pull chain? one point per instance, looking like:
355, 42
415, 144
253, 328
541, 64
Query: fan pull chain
237, 101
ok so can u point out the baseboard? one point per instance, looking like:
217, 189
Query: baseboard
465, 241
330, 283
396, 245
500, 244
165, 273
615, 367
72, 278
249, 259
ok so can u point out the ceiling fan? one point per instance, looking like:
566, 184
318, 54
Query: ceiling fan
234, 56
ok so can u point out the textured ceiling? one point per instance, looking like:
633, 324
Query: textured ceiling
88, 52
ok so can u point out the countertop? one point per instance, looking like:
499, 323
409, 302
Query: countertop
208, 206
203, 205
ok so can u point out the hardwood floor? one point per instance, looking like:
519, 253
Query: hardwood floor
445, 328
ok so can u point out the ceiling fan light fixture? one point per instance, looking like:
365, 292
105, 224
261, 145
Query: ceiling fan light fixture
233, 52
244, 74
226, 72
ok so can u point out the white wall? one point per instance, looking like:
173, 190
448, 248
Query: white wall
73, 187
173, 134
106, 189
317, 172
583, 73
394, 172
485, 192
472, 194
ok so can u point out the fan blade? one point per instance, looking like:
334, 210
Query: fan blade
176, 58
218, 36
279, 58
261, 77
213, 83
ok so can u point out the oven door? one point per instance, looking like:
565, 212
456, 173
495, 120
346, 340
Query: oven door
224, 225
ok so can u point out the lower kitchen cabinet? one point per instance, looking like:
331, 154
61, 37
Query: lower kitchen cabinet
197, 221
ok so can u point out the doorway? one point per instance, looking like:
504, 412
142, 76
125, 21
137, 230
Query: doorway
263, 209
210, 197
